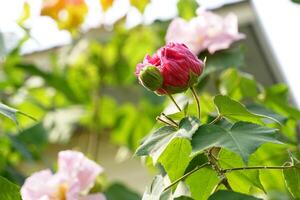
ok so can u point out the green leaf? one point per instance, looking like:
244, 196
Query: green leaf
270, 154
241, 181
182, 190
296, 1
236, 111
156, 190
187, 8
183, 198
8, 190
237, 85
157, 142
276, 98
9, 112
242, 138
230, 195
202, 183
176, 158
56, 81
233, 57
261, 110
118, 191
292, 180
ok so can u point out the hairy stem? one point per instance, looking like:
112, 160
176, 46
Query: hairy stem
197, 100
186, 175
215, 165
257, 167
171, 97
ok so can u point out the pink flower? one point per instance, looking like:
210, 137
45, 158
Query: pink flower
75, 176
172, 69
206, 31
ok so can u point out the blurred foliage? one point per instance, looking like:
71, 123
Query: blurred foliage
90, 87
296, 1
139, 4
187, 8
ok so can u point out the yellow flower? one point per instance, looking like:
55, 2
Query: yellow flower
106, 4
69, 14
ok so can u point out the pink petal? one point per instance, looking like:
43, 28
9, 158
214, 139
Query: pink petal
40, 186
206, 31
78, 169
97, 196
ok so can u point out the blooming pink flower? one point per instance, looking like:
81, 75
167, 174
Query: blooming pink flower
75, 176
206, 31
176, 66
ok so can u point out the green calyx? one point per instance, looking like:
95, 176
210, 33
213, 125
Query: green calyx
151, 78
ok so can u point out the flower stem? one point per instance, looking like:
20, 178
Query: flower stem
186, 175
197, 100
257, 167
174, 102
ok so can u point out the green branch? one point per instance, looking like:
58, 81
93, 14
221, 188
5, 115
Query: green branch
197, 100
171, 97
257, 167
186, 175
218, 118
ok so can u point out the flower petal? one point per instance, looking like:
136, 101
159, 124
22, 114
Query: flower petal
78, 169
40, 186
97, 196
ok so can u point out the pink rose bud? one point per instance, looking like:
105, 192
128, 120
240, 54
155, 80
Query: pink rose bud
177, 69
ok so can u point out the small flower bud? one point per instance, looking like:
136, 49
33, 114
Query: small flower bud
151, 78
172, 69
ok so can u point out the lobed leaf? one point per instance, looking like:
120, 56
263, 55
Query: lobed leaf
241, 181
236, 111
243, 138
158, 141
175, 158
202, 183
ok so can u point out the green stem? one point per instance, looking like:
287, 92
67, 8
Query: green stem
197, 100
218, 118
215, 165
174, 102
170, 119
29, 116
163, 121
186, 175
257, 167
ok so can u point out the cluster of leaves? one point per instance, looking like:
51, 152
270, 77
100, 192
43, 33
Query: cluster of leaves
91, 91
244, 145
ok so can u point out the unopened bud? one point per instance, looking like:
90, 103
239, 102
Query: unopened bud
151, 78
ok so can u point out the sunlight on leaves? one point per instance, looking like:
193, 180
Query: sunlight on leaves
242, 138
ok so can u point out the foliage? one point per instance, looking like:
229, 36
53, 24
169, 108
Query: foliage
8, 190
230, 147
237, 149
